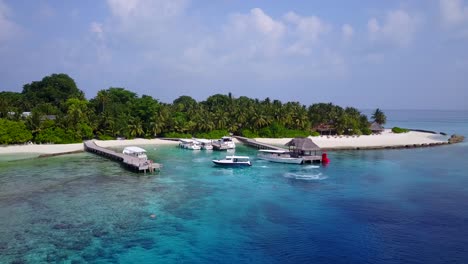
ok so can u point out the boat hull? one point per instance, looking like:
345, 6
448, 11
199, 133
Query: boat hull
192, 147
232, 164
217, 146
283, 160
207, 147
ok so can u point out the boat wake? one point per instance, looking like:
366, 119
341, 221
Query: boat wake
200, 160
304, 176
311, 167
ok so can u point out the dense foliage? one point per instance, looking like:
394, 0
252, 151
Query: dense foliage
399, 130
59, 113
12, 132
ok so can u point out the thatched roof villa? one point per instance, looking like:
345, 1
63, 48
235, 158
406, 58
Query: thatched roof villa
302, 146
376, 128
326, 129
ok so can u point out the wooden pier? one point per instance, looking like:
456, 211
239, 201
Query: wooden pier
131, 163
258, 145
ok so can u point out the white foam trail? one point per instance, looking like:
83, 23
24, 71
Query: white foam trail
311, 167
307, 177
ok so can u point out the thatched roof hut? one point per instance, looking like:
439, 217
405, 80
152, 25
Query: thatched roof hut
325, 129
376, 128
302, 146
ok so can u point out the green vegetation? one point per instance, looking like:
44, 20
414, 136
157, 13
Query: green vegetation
59, 113
13, 132
177, 135
399, 130
215, 134
315, 134
366, 131
379, 117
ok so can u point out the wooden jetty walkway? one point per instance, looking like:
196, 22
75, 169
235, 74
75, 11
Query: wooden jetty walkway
258, 145
132, 163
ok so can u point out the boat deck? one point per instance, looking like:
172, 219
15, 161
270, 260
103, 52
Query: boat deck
132, 163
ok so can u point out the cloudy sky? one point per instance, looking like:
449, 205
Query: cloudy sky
362, 53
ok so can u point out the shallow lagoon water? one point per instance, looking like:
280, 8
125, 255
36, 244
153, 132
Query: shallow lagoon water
382, 206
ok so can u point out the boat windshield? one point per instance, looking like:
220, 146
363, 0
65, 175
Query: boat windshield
238, 158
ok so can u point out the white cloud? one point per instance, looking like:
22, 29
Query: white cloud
398, 27
306, 30
266, 24
146, 9
253, 34
257, 21
8, 28
453, 12
347, 31
145, 16
253, 44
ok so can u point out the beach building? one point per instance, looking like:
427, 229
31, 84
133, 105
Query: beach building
326, 129
376, 128
304, 147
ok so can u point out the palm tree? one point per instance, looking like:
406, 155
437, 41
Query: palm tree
259, 120
221, 119
135, 127
379, 117
102, 98
156, 126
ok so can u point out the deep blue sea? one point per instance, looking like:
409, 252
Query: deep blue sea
374, 206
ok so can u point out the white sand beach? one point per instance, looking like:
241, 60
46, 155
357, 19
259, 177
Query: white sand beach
65, 148
386, 139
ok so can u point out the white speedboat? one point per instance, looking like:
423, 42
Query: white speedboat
224, 143
135, 152
189, 144
234, 161
280, 156
204, 143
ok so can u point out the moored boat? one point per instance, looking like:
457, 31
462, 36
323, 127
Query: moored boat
234, 161
280, 156
189, 144
135, 152
224, 143
204, 143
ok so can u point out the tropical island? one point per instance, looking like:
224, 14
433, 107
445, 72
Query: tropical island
55, 111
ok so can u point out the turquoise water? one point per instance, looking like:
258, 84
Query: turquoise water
382, 206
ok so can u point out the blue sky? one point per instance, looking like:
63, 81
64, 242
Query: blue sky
367, 54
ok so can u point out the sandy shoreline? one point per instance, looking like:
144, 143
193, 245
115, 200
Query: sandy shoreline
386, 139
65, 148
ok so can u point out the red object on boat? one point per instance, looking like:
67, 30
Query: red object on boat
325, 159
